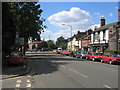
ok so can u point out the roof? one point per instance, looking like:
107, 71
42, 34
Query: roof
86, 37
105, 26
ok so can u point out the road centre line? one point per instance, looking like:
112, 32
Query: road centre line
107, 86
63, 66
78, 73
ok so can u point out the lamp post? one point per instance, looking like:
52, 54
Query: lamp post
71, 34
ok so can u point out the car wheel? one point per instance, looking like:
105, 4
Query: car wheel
102, 61
93, 59
110, 62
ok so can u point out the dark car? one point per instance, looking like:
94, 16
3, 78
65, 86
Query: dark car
73, 53
16, 58
81, 54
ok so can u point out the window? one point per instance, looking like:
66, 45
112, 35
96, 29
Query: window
104, 35
93, 36
119, 34
98, 35
106, 55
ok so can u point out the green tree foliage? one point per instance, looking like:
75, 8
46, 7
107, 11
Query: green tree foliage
21, 17
42, 44
61, 42
51, 44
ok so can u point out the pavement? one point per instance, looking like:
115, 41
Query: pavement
10, 71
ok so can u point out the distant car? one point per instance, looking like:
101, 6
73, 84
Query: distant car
93, 56
16, 58
75, 53
65, 53
54, 51
71, 53
110, 58
81, 54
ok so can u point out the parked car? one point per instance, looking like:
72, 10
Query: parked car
71, 53
81, 54
65, 53
93, 56
110, 58
16, 58
74, 53
54, 51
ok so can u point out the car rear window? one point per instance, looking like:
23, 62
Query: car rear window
114, 55
16, 54
95, 54
84, 52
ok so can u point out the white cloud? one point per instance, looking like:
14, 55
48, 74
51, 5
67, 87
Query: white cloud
111, 14
46, 35
97, 13
75, 17
66, 33
94, 26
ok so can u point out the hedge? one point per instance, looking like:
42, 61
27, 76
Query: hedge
112, 51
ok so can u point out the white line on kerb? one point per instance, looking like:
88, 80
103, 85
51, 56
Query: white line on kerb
28, 76
107, 86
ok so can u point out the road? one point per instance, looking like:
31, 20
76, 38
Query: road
52, 70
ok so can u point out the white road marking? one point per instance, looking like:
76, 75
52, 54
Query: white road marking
17, 85
28, 81
107, 86
70, 69
78, 73
18, 81
62, 65
28, 85
84, 75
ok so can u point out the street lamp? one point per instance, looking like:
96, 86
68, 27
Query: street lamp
71, 33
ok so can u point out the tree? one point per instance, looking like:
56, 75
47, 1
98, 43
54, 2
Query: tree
21, 17
51, 44
42, 44
61, 42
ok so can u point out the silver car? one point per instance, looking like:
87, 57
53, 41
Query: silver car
81, 54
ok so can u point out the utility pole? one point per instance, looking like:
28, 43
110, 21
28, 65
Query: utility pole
71, 34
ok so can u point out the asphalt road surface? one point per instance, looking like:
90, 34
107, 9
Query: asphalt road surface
52, 70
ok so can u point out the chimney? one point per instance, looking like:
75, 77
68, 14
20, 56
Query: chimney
102, 21
119, 11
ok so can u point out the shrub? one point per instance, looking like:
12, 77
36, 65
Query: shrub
112, 51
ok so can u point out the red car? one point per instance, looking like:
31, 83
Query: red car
16, 58
93, 56
65, 53
110, 58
